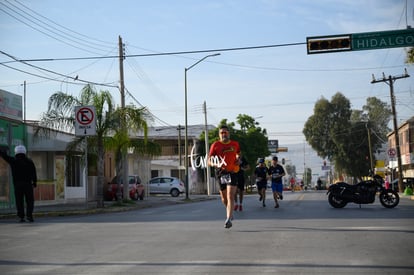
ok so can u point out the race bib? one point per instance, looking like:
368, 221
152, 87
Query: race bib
225, 179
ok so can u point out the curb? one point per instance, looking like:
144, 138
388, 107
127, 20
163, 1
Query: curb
80, 208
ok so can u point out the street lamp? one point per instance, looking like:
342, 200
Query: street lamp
186, 120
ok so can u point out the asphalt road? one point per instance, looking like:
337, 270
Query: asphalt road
304, 236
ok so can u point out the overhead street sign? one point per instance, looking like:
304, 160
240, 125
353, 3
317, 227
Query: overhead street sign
382, 40
360, 41
85, 124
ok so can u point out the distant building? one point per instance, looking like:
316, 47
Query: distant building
406, 138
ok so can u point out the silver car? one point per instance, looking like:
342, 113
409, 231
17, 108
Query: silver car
166, 185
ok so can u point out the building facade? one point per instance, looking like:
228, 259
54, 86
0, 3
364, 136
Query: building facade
406, 139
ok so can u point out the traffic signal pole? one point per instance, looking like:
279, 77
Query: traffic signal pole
390, 81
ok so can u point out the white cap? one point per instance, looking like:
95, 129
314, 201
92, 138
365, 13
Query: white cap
20, 149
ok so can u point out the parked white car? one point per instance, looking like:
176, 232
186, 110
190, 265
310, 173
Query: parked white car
166, 185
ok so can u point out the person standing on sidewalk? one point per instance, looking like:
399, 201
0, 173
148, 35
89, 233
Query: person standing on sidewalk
224, 156
276, 173
24, 180
244, 165
261, 180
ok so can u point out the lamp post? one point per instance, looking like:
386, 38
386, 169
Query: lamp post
186, 120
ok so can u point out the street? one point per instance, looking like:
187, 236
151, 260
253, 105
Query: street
304, 236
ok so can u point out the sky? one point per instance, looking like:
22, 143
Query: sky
263, 69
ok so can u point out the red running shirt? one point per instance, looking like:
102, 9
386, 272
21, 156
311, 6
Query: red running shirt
226, 155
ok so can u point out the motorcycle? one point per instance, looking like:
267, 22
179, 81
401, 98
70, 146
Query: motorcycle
341, 193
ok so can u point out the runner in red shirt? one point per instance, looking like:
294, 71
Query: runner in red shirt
224, 156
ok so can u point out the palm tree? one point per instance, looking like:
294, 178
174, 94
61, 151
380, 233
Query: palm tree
134, 119
60, 116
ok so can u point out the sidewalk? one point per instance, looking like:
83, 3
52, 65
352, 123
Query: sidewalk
57, 208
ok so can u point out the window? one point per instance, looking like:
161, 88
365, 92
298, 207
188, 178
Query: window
175, 173
154, 173
155, 181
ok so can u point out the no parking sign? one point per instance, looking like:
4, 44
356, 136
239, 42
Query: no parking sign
85, 124
392, 152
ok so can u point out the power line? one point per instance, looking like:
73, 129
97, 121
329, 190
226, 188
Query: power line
49, 71
221, 63
163, 53
47, 29
37, 29
152, 115
89, 39
36, 75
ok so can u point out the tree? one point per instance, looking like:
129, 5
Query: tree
340, 134
120, 142
325, 128
60, 116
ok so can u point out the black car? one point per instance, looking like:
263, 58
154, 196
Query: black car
406, 182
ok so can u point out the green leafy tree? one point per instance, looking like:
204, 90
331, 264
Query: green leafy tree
340, 134
120, 142
328, 124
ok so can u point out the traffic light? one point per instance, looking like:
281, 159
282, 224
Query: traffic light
283, 161
329, 44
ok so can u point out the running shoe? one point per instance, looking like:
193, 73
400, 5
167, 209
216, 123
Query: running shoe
277, 206
236, 207
228, 224
261, 198
264, 205
281, 197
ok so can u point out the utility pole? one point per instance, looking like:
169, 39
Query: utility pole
179, 128
369, 147
207, 149
124, 173
390, 81
24, 117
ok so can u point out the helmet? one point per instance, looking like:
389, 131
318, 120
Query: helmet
20, 149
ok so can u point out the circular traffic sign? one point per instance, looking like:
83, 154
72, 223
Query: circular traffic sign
392, 152
85, 116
